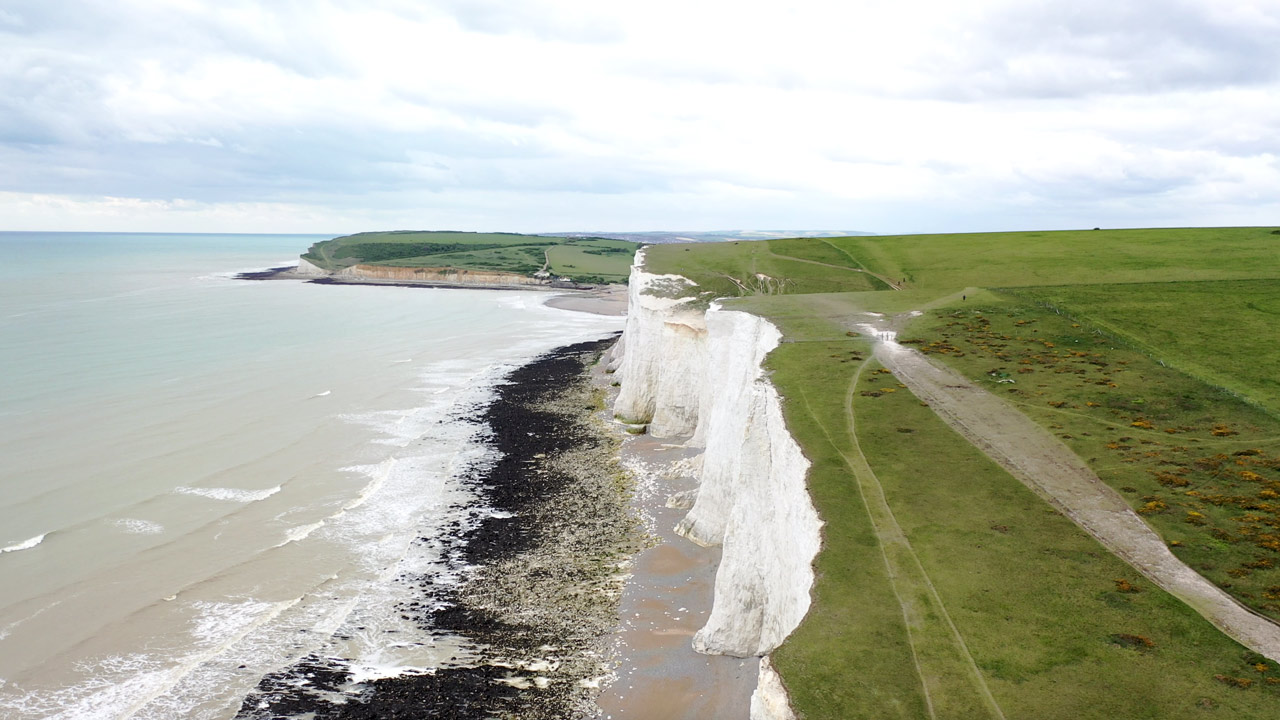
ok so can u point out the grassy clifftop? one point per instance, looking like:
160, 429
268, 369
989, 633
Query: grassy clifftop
945, 587
582, 259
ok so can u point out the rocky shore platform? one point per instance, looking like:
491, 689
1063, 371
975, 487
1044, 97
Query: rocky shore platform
541, 571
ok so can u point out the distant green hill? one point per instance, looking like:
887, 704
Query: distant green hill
583, 259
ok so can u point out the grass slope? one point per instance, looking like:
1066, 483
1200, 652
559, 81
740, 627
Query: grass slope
944, 587
761, 267
1057, 625
1069, 257
950, 262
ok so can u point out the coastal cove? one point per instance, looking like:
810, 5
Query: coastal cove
252, 461
793, 478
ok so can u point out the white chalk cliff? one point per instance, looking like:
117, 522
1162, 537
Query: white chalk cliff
665, 343
306, 267
696, 373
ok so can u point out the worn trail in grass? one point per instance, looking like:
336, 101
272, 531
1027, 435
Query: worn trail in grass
1053, 471
1201, 465
953, 685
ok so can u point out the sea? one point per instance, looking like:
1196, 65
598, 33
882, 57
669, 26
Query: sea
204, 479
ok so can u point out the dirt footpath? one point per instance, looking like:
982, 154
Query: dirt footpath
1046, 465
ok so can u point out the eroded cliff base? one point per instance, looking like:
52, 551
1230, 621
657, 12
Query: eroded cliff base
667, 599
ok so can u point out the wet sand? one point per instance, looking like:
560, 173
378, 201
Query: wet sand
664, 603
604, 300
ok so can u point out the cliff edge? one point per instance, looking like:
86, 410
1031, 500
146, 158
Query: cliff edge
696, 373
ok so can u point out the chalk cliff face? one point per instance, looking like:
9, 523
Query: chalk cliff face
436, 275
665, 355
697, 374
769, 701
425, 275
730, 390
771, 533
306, 267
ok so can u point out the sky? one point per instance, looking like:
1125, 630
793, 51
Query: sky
337, 116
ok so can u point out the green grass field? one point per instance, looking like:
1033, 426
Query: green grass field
747, 268
950, 262
1224, 332
609, 260
596, 260
1199, 463
1069, 257
945, 588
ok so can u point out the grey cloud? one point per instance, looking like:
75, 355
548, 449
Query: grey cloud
286, 164
48, 97
1052, 50
1133, 182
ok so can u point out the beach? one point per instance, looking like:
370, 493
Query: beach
575, 597
667, 599
595, 299
532, 586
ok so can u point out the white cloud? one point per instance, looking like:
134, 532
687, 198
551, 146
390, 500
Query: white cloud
692, 114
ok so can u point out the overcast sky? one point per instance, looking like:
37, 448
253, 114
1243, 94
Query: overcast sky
543, 115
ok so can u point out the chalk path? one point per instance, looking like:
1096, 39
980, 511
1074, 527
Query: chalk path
1047, 466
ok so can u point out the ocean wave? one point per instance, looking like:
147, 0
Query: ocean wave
229, 494
135, 526
301, 532
378, 475
120, 686
25, 544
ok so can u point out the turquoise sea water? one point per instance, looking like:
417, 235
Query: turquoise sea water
203, 478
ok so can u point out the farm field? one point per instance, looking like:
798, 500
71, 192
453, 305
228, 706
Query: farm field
945, 587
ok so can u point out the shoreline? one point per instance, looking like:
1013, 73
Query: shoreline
536, 580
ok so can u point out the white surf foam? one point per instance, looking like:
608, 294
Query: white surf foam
378, 474
119, 686
234, 274
24, 545
302, 532
229, 494
135, 526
